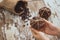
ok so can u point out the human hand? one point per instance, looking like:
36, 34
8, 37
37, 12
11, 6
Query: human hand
38, 35
48, 28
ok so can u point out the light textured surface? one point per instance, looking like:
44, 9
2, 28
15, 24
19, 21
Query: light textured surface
23, 33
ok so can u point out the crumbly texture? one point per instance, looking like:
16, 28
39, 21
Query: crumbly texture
21, 9
37, 23
44, 12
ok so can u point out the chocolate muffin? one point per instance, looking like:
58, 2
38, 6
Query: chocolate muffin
22, 10
20, 6
37, 23
44, 12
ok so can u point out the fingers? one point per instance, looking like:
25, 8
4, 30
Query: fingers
49, 24
46, 21
38, 35
35, 33
33, 30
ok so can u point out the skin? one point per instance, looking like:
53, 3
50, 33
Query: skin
38, 35
48, 29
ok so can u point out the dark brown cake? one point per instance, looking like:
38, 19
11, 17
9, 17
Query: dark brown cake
37, 23
20, 6
45, 12
22, 10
